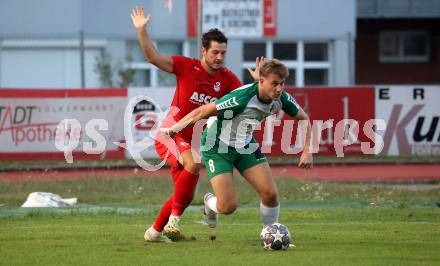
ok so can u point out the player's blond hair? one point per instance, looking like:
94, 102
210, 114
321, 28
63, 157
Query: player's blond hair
273, 66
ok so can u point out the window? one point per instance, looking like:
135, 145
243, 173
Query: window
315, 77
404, 47
315, 52
142, 78
253, 50
285, 51
247, 79
146, 74
316, 60
291, 79
308, 62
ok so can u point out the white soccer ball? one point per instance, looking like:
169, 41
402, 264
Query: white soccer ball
275, 237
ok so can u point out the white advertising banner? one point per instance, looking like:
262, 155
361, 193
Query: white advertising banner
412, 116
238, 18
147, 115
29, 120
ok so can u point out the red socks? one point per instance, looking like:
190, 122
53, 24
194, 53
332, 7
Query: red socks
184, 186
162, 218
183, 192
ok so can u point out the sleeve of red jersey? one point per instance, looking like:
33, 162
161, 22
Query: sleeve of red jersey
178, 64
234, 81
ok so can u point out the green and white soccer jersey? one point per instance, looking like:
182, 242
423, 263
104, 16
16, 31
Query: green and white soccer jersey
241, 111
230, 133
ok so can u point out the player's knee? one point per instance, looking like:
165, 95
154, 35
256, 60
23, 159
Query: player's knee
227, 208
269, 197
192, 167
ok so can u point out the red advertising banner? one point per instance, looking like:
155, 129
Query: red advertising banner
29, 119
270, 17
325, 106
192, 9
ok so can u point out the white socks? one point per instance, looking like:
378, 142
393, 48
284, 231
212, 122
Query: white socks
153, 231
269, 215
212, 204
173, 217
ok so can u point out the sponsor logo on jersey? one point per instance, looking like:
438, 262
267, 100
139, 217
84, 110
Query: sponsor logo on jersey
227, 104
183, 144
217, 86
201, 98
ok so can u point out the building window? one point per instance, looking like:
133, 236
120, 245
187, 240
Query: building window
285, 51
315, 77
291, 79
142, 78
316, 52
253, 50
148, 75
404, 47
308, 62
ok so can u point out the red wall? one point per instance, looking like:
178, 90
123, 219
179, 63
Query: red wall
324, 103
370, 71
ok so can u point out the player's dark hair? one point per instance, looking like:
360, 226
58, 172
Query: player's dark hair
273, 66
213, 35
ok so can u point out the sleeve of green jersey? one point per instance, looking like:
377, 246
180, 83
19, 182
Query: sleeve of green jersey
234, 101
290, 106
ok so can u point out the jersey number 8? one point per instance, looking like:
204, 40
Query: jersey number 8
211, 166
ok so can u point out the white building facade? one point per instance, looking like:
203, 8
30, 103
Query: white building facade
40, 41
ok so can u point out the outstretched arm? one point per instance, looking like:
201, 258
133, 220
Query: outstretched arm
306, 159
190, 119
140, 22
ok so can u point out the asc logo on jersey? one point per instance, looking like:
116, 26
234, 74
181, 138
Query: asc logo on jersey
201, 98
217, 86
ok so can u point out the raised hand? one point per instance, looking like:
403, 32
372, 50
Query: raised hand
138, 17
256, 72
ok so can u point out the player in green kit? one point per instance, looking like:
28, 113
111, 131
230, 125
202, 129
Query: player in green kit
227, 141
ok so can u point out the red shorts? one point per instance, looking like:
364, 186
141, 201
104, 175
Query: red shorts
170, 149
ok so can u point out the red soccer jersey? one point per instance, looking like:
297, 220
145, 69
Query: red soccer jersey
196, 87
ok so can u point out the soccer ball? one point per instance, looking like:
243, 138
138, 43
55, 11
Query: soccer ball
275, 237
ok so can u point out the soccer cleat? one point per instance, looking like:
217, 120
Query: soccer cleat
172, 230
209, 215
155, 237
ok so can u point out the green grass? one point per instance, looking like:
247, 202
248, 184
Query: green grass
156, 190
323, 236
332, 224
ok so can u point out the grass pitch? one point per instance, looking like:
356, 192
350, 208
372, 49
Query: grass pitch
332, 224
323, 236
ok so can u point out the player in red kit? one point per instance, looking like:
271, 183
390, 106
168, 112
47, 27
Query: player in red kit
198, 82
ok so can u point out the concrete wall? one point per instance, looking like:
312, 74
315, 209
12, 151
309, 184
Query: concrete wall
39, 18
109, 20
